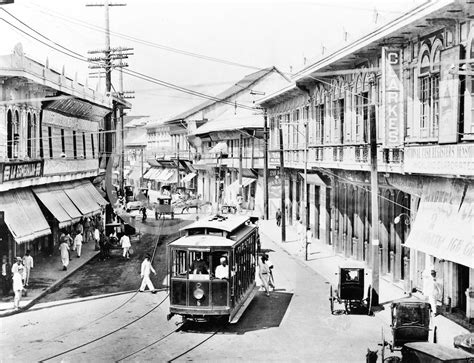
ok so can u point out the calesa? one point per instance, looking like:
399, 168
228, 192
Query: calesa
212, 268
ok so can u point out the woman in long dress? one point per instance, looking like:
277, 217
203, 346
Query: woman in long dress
64, 248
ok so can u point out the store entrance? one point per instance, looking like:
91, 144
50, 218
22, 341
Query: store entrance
463, 284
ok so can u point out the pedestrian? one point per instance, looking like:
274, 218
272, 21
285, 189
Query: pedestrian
300, 231
240, 200
70, 242
78, 244
6, 276
278, 217
145, 274
432, 291
64, 248
264, 274
271, 280
80, 227
125, 243
18, 272
28, 263
97, 238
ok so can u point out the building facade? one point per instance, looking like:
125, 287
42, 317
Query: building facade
413, 79
226, 141
49, 154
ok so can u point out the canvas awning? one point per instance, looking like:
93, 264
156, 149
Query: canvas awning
23, 215
170, 178
188, 177
58, 203
94, 193
153, 173
443, 226
82, 199
313, 179
245, 182
219, 148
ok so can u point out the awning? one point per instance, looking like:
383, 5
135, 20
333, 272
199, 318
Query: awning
313, 179
94, 193
58, 203
443, 227
152, 173
82, 199
23, 215
188, 177
220, 148
170, 178
245, 182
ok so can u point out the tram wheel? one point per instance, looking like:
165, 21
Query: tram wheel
331, 299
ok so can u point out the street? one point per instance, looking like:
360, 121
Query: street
294, 323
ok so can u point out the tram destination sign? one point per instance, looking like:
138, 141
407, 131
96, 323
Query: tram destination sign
21, 170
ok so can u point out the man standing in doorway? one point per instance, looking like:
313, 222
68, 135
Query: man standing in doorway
28, 263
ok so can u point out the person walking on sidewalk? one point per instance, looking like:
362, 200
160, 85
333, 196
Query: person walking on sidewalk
145, 274
264, 274
18, 272
300, 231
432, 291
28, 263
125, 243
78, 244
64, 248
6, 276
278, 217
97, 238
271, 280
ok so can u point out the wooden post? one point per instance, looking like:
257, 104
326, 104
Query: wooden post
283, 193
265, 166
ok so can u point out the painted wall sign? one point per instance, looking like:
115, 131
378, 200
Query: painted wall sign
22, 170
393, 97
441, 159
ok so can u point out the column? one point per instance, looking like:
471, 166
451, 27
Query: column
392, 238
328, 207
317, 206
384, 204
3, 132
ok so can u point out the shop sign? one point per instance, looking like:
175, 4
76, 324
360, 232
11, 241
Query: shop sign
274, 157
22, 170
440, 159
393, 96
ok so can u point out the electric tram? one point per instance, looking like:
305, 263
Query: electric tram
212, 268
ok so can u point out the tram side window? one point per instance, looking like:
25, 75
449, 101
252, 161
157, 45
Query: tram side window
179, 263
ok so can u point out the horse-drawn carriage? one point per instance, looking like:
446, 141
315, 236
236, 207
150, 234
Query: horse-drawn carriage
163, 206
351, 290
410, 323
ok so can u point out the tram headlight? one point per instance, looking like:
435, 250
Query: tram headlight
198, 293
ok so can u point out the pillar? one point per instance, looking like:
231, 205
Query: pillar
317, 211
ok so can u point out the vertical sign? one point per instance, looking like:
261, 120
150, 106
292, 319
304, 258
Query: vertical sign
393, 97
449, 96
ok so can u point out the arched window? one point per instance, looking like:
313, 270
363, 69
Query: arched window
362, 109
16, 134
319, 117
428, 86
9, 134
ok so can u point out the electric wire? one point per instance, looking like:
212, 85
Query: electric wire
194, 347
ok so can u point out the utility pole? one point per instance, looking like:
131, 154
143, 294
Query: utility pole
305, 191
374, 188
141, 177
240, 165
265, 165
283, 194
177, 164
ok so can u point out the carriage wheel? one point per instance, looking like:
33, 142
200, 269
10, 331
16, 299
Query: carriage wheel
331, 300
435, 334
369, 300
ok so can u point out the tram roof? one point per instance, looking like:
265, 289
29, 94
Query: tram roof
202, 241
229, 224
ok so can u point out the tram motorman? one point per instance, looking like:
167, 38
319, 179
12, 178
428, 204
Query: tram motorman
222, 271
199, 266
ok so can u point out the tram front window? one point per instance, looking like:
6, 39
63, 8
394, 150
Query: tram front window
199, 268
221, 263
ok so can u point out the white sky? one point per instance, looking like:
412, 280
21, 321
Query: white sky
259, 33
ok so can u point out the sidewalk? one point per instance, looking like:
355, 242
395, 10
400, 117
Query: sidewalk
323, 260
46, 275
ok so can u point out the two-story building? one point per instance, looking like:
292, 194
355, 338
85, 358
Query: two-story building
226, 133
414, 79
49, 153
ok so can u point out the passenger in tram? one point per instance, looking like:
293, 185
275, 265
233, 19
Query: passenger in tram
222, 271
199, 266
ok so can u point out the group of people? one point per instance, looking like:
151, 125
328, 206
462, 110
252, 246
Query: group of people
16, 277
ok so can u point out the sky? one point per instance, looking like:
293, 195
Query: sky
252, 34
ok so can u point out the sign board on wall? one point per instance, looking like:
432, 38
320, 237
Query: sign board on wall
455, 159
392, 86
449, 96
22, 170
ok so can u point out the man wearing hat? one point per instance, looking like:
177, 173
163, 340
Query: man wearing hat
222, 271
145, 274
